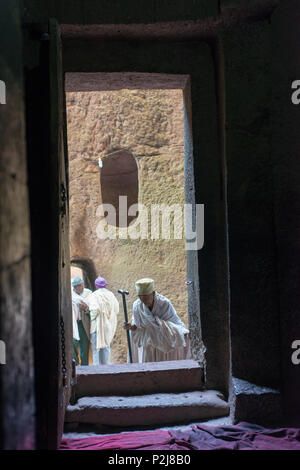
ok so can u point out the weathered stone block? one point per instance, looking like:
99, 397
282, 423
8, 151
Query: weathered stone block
138, 379
255, 404
160, 408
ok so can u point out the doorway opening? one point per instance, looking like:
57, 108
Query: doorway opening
129, 136
85, 269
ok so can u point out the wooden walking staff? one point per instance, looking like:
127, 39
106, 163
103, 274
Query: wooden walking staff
124, 293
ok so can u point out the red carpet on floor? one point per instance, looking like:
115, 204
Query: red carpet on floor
243, 436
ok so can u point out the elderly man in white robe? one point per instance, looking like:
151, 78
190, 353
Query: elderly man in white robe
104, 309
157, 332
81, 321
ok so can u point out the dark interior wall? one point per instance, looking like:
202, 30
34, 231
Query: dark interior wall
246, 3
135, 11
43, 240
253, 265
17, 378
49, 234
286, 174
116, 11
16, 384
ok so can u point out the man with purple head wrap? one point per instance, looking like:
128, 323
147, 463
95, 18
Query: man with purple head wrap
100, 282
104, 309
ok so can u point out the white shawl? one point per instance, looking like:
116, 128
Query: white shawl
160, 328
76, 299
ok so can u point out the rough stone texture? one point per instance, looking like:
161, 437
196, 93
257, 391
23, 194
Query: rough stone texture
127, 80
254, 404
16, 376
154, 20
95, 12
148, 123
150, 377
254, 305
79, 431
160, 408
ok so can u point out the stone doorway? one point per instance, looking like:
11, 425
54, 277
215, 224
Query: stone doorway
85, 269
146, 118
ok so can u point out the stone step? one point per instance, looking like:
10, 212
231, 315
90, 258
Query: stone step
145, 410
256, 404
138, 378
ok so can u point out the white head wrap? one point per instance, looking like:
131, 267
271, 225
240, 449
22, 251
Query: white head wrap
144, 286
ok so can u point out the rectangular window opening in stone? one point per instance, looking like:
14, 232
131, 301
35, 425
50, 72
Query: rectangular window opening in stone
126, 151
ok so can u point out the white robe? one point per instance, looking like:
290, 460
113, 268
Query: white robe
75, 326
160, 334
76, 299
104, 309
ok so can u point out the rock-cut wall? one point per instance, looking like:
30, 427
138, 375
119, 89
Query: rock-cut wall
149, 124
